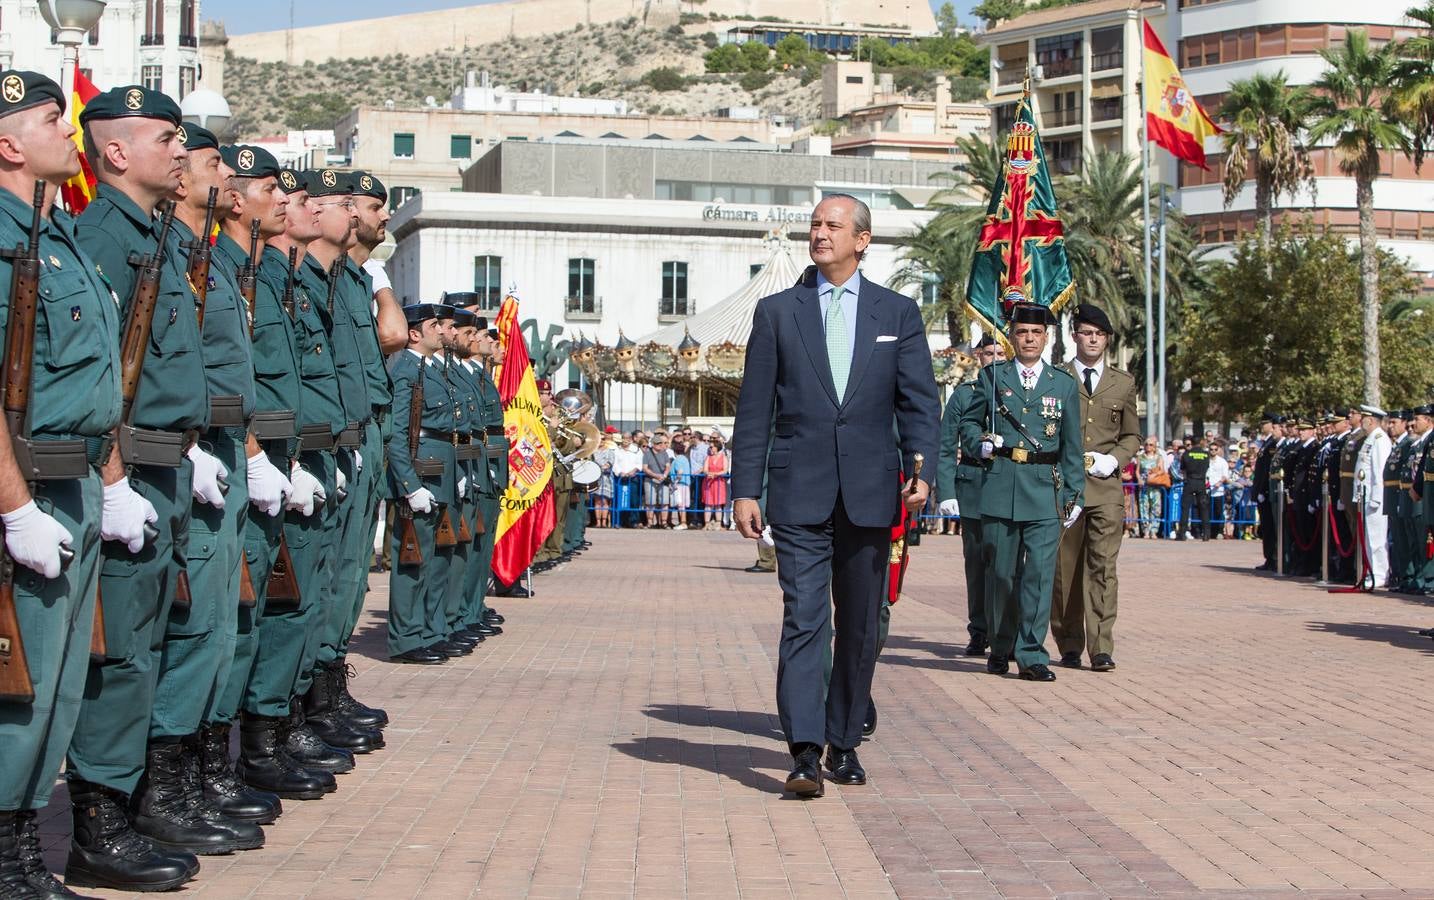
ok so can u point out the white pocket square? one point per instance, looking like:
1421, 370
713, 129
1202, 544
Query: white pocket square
880, 338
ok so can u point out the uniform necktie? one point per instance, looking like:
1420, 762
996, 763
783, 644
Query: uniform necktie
1028, 378
1090, 381
838, 350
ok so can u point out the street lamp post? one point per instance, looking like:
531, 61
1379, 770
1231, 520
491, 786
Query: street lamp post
207, 109
72, 19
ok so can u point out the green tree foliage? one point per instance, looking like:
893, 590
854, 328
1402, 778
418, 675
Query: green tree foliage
725, 58
1264, 117
994, 11
754, 80
1414, 81
664, 78
1280, 328
315, 110
958, 55
946, 20
756, 56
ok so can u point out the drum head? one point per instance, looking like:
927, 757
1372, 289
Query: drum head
585, 472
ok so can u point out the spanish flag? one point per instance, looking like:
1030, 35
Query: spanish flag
1172, 117
526, 514
80, 190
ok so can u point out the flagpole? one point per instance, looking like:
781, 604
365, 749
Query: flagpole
1161, 349
1149, 305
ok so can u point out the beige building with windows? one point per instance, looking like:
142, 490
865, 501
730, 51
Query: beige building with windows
878, 122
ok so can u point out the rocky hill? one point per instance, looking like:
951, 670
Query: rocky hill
654, 70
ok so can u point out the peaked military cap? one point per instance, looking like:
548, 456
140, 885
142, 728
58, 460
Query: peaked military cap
416, 313
493, 333
291, 181
131, 101
985, 341
197, 137
22, 90
365, 185
1425, 410
463, 318
1370, 409
1031, 314
460, 299
250, 162
1091, 314
327, 183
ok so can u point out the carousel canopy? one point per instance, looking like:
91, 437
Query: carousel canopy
730, 321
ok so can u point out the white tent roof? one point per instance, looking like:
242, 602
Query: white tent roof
731, 319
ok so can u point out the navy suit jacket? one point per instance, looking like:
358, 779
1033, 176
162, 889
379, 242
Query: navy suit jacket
813, 444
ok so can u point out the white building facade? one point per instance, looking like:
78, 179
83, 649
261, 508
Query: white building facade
154, 43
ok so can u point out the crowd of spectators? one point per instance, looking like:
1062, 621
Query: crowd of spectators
663, 479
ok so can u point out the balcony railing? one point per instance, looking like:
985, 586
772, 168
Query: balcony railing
188, 40
673, 308
1011, 73
583, 308
151, 40
1099, 62
1059, 118
1105, 110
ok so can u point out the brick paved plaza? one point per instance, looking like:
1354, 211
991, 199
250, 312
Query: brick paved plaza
1259, 738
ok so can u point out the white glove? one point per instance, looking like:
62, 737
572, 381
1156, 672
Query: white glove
1312, 507
1102, 465
378, 273
988, 446
34, 539
267, 485
949, 508
340, 482
207, 473
1260, 498
767, 536
1374, 504
462, 487
1339, 505
125, 514
1072, 517
306, 491
358, 462
421, 501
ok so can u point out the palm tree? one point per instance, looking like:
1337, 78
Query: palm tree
1102, 215
1264, 116
1355, 109
941, 251
1414, 81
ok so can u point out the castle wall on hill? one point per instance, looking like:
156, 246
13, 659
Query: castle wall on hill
453, 29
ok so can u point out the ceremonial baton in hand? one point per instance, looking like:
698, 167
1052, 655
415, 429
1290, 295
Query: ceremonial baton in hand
916, 460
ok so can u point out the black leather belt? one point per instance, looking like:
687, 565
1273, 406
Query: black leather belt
496, 431
52, 459
351, 437
971, 461
275, 425
226, 412
316, 437
154, 447
1028, 457
455, 438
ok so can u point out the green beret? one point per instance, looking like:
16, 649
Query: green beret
327, 183
366, 185
291, 182
250, 162
131, 100
22, 90
197, 137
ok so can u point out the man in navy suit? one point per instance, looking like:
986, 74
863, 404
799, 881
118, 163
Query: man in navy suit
832, 365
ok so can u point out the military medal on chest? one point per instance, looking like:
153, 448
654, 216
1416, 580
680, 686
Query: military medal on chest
1051, 412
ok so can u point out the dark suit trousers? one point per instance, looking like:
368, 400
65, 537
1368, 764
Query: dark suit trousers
834, 570
974, 552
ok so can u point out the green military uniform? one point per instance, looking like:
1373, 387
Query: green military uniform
475, 582
1022, 502
1421, 478
472, 472
1084, 604
415, 605
1409, 516
199, 640
109, 744
74, 393
958, 477
1393, 474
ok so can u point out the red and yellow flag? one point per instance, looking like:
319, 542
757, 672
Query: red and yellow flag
1173, 118
80, 190
526, 514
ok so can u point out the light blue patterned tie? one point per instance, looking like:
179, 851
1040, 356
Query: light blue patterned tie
838, 348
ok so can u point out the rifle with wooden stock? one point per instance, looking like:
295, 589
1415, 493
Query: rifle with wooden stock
248, 286
283, 589
15, 684
409, 553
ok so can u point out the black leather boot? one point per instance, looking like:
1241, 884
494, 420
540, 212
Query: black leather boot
13, 883
234, 799
106, 851
163, 811
250, 836
264, 765
351, 709
322, 715
308, 750
39, 879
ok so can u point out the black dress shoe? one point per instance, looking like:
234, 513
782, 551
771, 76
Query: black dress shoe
977, 647
516, 590
452, 651
1038, 672
868, 725
472, 635
998, 665
1102, 663
465, 639
805, 779
486, 630
756, 569
845, 767
420, 656
1071, 660
493, 617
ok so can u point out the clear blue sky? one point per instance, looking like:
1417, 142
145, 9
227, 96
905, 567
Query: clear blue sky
242, 16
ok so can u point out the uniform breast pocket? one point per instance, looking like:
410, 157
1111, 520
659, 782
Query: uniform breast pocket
72, 326
270, 350
1114, 411
174, 329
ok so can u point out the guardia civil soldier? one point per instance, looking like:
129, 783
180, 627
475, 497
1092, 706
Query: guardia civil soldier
122, 755
1023, 418
278, 752
1395, 488
323, 277
1084, 606
356, 291
75, 398
420, 477
1260, 483
200, 637
958, 488
268, 450
469, 474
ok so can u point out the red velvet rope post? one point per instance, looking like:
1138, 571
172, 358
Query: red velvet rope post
1338, 548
